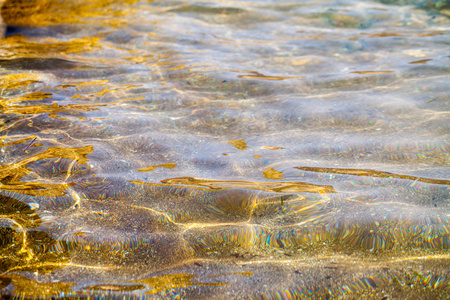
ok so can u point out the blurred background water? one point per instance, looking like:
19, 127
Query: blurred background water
231, 149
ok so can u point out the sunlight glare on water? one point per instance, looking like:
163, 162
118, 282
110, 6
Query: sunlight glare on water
231, 149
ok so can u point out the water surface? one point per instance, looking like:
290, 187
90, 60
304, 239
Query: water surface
230, 149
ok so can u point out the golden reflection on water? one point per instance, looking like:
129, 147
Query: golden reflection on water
54, 12
140, 158
11, 175
22, 247
256, 75
48, 47
273, 174
239, 144
14, 81
372, 173
151, 168
372, 72
277, 187
173, 281
26, 288
53, 109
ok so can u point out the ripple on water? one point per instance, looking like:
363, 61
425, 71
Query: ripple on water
257, 149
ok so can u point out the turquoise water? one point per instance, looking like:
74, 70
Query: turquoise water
227, 149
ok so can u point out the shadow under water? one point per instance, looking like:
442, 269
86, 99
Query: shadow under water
235, 150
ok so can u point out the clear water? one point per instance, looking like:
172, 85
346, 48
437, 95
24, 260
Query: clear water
229, 149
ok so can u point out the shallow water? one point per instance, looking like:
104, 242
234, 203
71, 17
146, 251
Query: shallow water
230, 149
